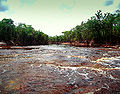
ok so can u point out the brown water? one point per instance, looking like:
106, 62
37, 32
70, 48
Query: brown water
60, 69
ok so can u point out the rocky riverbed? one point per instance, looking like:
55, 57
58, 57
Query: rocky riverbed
59, 69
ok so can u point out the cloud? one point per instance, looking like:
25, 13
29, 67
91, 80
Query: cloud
109, 2
27, 2
118, 7
68, 5
3, 7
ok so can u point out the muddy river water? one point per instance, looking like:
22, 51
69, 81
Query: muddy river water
60, 69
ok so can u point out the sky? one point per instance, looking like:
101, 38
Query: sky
54, 16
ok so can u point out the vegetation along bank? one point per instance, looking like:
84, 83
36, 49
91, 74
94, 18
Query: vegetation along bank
101, 29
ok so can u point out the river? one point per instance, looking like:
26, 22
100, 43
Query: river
60, 69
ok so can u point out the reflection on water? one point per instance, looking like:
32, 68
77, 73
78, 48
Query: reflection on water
60, 69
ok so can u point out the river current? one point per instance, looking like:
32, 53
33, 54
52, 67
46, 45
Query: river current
60, 69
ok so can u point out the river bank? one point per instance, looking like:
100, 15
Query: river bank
78, 44
4, 45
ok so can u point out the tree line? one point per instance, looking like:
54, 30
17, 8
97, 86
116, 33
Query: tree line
21, 34
102, 28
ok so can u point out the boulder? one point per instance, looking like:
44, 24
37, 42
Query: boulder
3, 44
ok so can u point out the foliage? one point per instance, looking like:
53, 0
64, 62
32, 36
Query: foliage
101, 28
22, 34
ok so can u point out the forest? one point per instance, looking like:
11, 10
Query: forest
102, 28
21, 34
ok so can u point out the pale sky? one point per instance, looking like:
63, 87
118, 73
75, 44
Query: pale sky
54, 16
